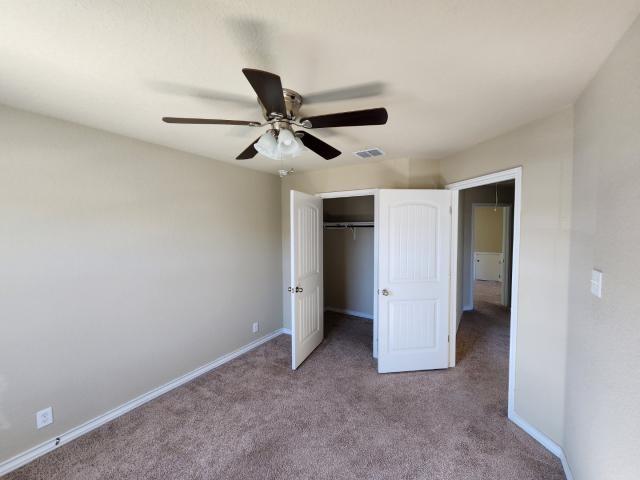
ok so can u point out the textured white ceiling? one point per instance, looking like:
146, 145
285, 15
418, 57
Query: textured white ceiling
450, 72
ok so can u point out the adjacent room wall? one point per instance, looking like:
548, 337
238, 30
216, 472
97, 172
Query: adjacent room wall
488, 229
544, 149
602, 422
124, 266
471, 196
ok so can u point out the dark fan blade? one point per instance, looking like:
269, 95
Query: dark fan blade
209, 121
248, 152
323, 149
269, 89
372, 116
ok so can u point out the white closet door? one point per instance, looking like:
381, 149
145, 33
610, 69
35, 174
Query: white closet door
413, 279
307, 319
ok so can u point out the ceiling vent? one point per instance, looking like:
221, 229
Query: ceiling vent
371, 152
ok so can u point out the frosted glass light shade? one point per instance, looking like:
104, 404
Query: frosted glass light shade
287, 145
267, 146
285, 138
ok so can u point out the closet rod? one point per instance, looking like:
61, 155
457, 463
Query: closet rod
347, 224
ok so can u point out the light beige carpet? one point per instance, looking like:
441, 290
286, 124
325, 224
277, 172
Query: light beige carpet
334, 418
487, 291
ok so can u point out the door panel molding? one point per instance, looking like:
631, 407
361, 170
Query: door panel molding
414, 234
307, 312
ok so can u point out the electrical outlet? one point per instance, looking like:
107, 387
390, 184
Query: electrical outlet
255, 327
44, 417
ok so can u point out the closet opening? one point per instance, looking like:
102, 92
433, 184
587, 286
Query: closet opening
349, 248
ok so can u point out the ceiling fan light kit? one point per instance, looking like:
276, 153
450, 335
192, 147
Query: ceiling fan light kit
280, 109
279, 144
288, 145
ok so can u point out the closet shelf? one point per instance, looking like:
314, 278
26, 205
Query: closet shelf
347, 224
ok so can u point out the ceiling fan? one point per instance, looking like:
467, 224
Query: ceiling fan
280, 108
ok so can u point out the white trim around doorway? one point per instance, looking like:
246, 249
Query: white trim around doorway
514, 174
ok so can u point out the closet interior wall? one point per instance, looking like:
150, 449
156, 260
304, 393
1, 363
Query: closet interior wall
349, 256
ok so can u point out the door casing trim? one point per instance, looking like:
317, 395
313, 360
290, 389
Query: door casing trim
514, 174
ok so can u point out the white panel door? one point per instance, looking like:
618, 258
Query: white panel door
307, 321
413, 279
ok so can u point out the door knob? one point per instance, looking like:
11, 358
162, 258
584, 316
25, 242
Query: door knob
385, 292
298, 289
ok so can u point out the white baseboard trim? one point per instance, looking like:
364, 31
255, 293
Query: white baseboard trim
544, 440
467, 308
353, 313
566, 467
45, 447
286, 331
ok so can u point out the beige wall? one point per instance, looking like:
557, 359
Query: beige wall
544, 149
602, 425
488, 229
348, 270
124, 266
